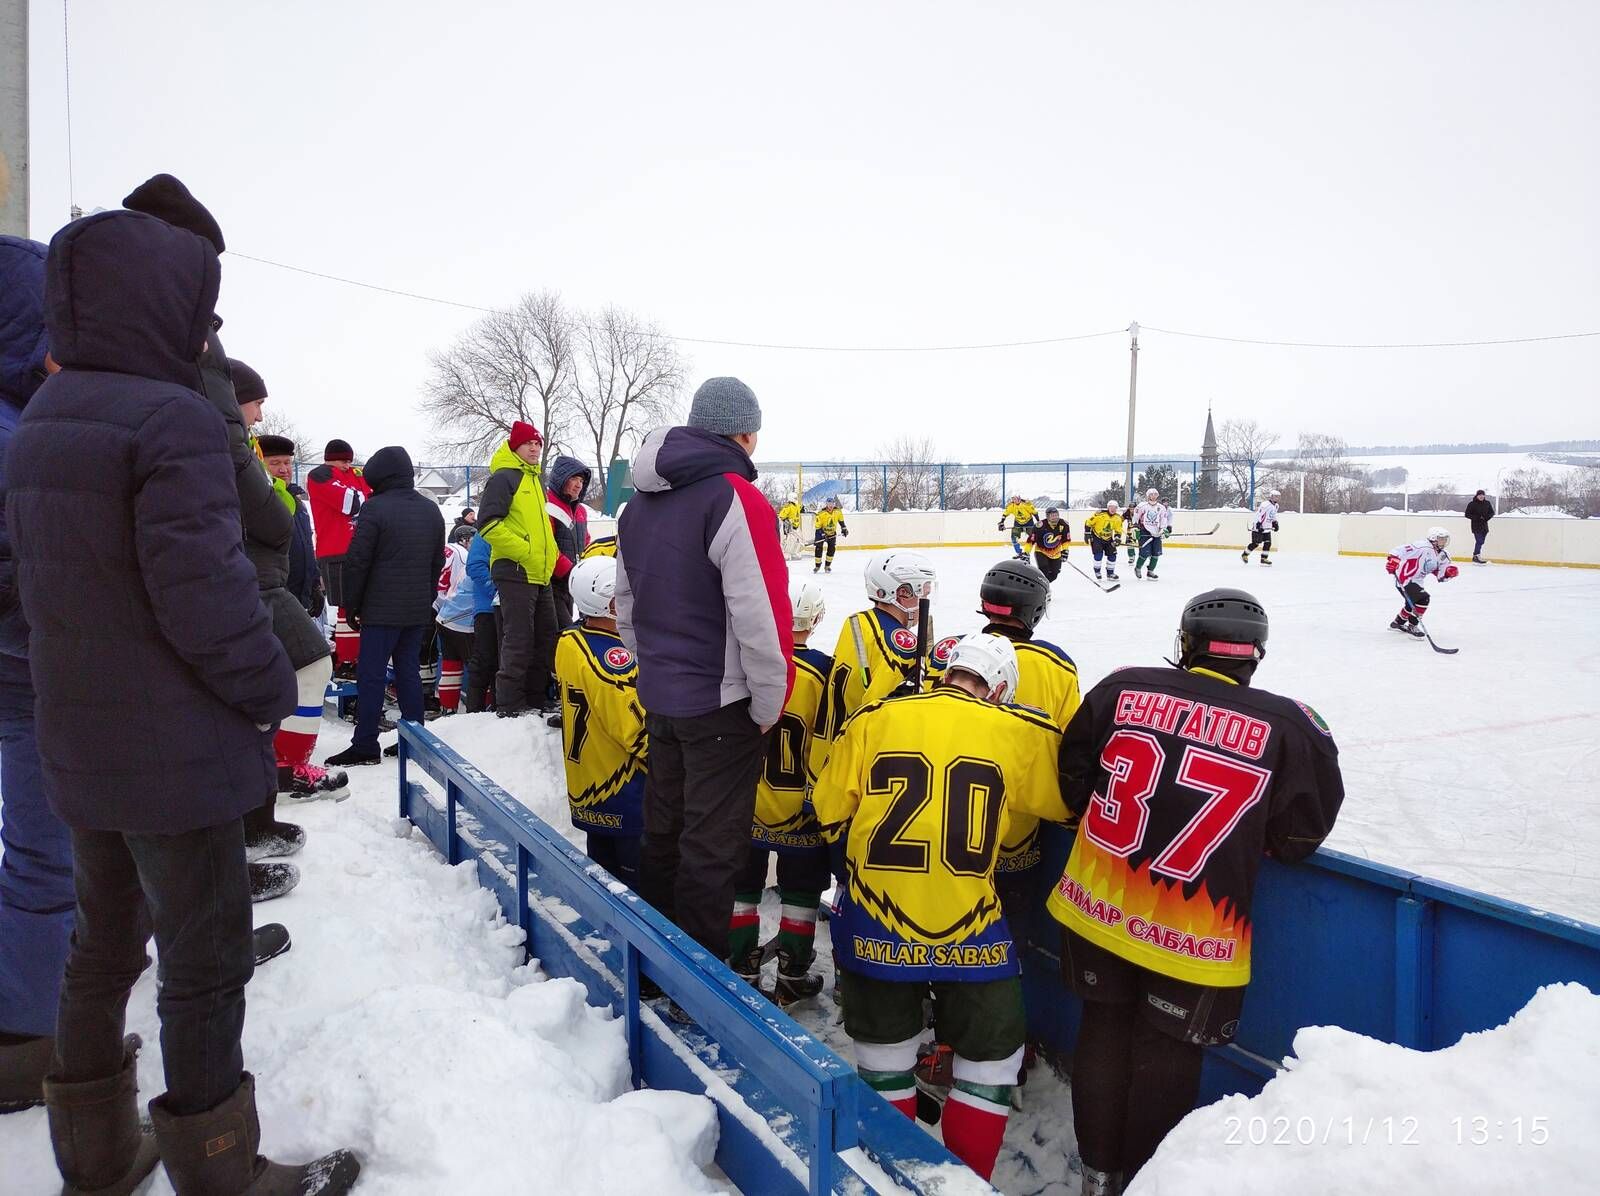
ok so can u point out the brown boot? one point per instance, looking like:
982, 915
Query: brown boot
101, 1146
23, 1065
214, 1154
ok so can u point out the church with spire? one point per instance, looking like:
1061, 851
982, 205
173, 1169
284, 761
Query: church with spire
1208, 459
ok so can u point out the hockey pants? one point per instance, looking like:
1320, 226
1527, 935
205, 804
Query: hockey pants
1262, 538
827, 543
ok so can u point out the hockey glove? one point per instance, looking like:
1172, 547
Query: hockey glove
844, 531
1274, 525
1449, 572
1392, 565
1001, 526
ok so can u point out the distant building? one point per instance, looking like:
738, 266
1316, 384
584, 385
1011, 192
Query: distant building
1208, 458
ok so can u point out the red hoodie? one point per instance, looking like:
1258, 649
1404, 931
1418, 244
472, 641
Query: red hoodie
336, 493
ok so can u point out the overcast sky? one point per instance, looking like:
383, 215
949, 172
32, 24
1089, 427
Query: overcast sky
887, 174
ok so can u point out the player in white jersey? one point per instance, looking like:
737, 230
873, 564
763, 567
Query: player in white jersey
1262, 526
1152, 523
1410, 565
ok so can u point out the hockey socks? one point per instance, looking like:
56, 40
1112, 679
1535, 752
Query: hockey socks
449, 685
975, 1123
744, 927
346, 641
896, 1087
797, 930
886, 1067
297, 735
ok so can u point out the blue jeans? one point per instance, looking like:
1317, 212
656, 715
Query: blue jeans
193, 891
36, 898
1477, 542
380, 645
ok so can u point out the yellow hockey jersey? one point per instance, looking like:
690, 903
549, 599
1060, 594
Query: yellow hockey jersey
602, 732
1047, 683
784, 820
828, 521
1102, 525
920, 788
789, 514
874, 657
1020, 513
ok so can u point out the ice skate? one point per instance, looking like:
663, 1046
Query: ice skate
1265, 560
828, 568
308, 782
1245, 556
796, 981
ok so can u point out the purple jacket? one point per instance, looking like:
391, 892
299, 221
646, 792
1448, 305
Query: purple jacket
702, 584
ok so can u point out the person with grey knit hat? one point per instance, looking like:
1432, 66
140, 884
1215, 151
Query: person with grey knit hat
703, 603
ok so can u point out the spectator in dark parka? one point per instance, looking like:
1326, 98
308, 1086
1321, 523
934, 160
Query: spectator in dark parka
569, 523
465, 519
391, 578
153, 762
703, 603
1479, 511
36, 899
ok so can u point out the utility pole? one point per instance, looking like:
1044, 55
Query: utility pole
1133, 399
14, 117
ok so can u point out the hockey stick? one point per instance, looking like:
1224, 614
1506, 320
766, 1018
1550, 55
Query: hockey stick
1412, 607
1115, 585
920, 669
1175, 535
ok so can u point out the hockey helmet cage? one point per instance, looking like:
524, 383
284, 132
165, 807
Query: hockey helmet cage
991, 659
1152, 494
1224, 623
806, 599
1015, 589
888, 571
1438, 537
463, 534
594, 584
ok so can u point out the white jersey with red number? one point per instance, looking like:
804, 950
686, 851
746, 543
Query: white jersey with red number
1418, 560
455, 602
1266, 515
1153, 517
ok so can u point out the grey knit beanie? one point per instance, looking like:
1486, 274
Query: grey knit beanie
725, 406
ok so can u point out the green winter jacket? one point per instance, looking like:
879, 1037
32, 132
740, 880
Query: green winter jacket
512, 518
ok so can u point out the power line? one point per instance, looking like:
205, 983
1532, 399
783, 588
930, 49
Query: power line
961, 348
1241, 340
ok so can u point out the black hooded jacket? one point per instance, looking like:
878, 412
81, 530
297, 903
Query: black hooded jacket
391, 572
153, 659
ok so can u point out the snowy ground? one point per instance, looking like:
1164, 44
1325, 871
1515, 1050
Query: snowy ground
399, 1023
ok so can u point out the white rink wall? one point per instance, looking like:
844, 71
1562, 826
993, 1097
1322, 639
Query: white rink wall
1512, 539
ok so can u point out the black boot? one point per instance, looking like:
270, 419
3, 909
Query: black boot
24, 1061
101, 1146
214, 1154
350, 758
272, 880
270, 941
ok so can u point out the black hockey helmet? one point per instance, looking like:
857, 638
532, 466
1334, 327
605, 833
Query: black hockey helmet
1226, 624
463, 534
1017, 589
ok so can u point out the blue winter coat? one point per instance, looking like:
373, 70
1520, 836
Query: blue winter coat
478, 563
305, 582
702, 584
22, 349
153, 658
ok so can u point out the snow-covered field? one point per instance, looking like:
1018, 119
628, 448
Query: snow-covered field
401, 1025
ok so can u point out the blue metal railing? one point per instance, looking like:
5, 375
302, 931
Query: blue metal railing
793, 1116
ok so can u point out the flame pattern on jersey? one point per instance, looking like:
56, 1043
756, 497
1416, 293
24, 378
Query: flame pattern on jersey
603, 736
919, 788
784, 820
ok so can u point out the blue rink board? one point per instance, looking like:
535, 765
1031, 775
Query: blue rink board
1337, 941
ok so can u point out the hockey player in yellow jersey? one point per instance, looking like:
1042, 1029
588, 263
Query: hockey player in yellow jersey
1024, 518
1103, 531
877, 649
786, 825
602, 724
829, 526
920, 788
789, 519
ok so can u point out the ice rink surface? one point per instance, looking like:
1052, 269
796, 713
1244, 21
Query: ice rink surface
1481, 769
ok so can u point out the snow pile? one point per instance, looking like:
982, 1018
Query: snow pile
401, 1024
1506, 1110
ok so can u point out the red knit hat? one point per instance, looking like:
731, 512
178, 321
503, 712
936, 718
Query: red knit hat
522, 432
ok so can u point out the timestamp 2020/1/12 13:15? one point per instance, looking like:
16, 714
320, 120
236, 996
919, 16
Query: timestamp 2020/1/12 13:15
1393, 1131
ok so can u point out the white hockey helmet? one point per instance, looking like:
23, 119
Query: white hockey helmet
888, 571
991, 659
1438, 537
806, 599
1274, 495
1113, 507
594, 584
1152, 494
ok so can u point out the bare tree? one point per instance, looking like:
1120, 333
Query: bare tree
276, 422
629, 379
1331, 481
1241, 445
1580, 492
511, 365
909, 469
